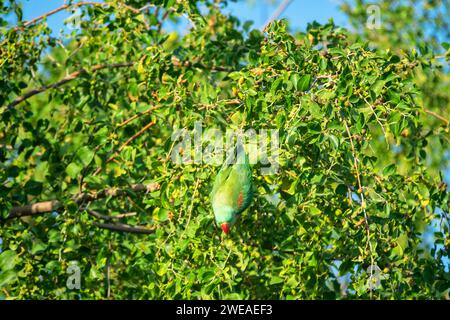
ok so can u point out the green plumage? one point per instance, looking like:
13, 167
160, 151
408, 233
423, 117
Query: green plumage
232, 192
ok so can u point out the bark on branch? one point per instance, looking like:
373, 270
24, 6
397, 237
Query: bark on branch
50, 206
63, 81
109, 218
124, 228
82, 71
36, 208
135, 136
118, 226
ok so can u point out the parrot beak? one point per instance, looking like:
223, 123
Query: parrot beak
225, 227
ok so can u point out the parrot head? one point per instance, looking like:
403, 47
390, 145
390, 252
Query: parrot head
225, 217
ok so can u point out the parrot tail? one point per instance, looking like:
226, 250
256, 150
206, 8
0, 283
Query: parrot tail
236, 154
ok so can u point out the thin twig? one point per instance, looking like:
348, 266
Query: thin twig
205, 67
226, 102
50, 206
276, 14
164, 17
190, 208
83, 71
66, 79
379, 122
80, 4
108, 280
190, 20
138, 134
135, 205
137, 116
109, 218
6, 292
363, 202
121, 227
115, 154
115, 192
138, 11
148, 6
434, 114
63, 7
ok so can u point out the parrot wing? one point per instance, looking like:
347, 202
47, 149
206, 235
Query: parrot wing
233, 185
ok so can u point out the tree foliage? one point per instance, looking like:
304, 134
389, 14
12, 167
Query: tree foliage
88, 118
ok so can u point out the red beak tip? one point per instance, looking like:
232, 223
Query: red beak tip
225, 227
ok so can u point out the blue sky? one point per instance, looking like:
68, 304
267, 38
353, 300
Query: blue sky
299, 12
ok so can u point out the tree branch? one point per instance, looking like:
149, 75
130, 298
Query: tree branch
124, 228
82, 71
164, 17
80, 4
50, 206
205, 67
137, 116
106, 217
115, 192
63, 81
276, 14
135, 136
365, 219
36, 208
438, 116
63, 7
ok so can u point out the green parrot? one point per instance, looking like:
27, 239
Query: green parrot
232, 191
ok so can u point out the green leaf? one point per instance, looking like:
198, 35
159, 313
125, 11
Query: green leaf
275, 280
294, 79
334, 141
73, 169
38, 247
275, 85
304, 82
8, 260
54, 236
346, 266
101, 135
314, 210
235, 75
41, 171
33, 187
252, 92
315, 110
341, 189
390, 170
85, 155
163, 214
402, 244
376, 89
7, 277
